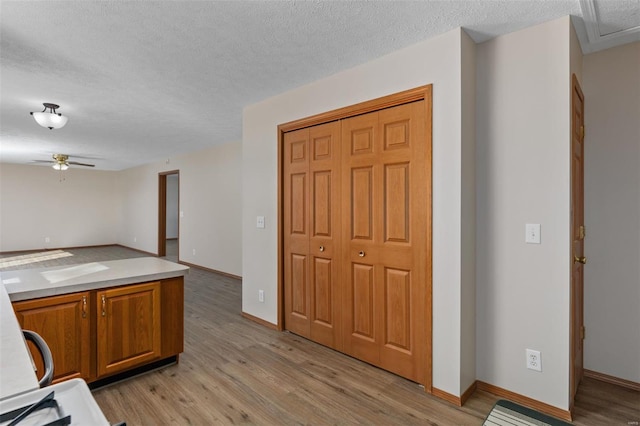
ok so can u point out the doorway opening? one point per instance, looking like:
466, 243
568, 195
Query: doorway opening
169, 215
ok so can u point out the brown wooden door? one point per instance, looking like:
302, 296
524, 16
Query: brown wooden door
578, 234
384, 238
64, 324
128, 323
311, 222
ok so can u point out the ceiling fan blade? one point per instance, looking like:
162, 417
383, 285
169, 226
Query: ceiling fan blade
42, 161
75, 163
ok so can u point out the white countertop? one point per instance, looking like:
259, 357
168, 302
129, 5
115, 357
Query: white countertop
43, 282
16, 370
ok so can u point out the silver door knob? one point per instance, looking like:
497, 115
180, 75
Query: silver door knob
361, 254
321, 248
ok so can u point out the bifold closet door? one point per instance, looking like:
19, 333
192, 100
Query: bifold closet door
311, 222
384, 238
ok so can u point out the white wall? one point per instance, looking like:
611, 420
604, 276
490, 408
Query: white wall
436, 61
523, 176
81, 210
210, 197
611, 86
173, 197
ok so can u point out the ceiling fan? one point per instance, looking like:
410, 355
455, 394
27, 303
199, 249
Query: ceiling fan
61, 162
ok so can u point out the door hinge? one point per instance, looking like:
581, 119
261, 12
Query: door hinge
583, 232
582, 132
582, 332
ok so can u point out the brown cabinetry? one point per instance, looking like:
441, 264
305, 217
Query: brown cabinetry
98, 333
128, 327
64, 323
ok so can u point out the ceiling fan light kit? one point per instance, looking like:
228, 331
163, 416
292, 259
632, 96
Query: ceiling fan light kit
60, 166
61, 162
50, 119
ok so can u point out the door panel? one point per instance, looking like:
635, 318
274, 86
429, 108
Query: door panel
312, 222
362, 203
296, 238
299, 285
396, 202
325, 217
397, 309
322, 204
299, 204
360, 336
385, 238
323, 291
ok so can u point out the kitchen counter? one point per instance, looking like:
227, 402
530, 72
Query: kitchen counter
16, 369
28, 284
17, 375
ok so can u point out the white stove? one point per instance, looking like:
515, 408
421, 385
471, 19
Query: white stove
73, 398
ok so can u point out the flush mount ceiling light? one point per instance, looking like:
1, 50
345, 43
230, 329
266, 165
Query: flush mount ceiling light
50, 119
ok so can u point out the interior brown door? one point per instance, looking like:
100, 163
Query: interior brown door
384, 238
578, 235
311, 224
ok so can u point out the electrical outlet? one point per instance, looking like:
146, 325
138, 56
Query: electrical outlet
47, 239
135, 239
534, 361
194, 252
261, 296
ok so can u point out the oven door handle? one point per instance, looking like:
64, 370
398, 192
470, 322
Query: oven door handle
46, 356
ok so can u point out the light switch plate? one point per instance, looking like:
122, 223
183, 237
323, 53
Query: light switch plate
532, 233
260, 222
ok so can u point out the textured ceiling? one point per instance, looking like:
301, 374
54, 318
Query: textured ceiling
142, 81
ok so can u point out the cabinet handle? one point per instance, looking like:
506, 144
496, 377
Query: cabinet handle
104, 306
84, 306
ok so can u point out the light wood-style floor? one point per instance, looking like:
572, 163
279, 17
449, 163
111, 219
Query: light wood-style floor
236, 371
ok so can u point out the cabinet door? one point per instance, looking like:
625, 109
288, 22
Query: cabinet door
128, 327
64, 323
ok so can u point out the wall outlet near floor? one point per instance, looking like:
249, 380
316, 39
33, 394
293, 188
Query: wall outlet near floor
47, 239
194, 252
261, 296
534, 361
135, 239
